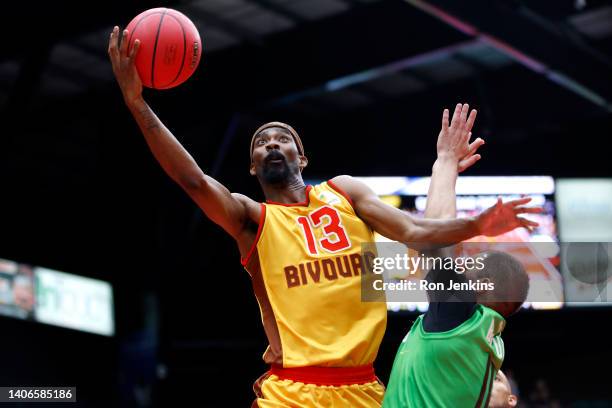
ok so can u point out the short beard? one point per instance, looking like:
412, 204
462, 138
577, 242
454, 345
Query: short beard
279, 175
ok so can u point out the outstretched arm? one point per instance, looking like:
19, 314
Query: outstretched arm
453, 149
225, 209
402, 227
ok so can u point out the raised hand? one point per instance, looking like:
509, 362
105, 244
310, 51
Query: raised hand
453, 140
504, 217
123, 65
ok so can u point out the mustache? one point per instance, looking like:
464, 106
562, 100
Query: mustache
274, 155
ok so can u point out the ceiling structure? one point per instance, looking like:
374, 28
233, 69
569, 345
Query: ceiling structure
567, 42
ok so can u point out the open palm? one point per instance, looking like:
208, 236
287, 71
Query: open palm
504, 217
454, 138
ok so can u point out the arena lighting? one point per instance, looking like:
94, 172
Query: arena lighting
468, 185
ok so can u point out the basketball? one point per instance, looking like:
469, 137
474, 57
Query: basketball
170, 47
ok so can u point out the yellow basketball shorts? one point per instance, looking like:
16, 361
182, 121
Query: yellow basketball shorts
318, 387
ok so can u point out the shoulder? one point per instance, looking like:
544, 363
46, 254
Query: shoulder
351, 187
349, 184
344, 180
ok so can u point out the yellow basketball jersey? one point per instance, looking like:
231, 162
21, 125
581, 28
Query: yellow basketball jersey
306, 269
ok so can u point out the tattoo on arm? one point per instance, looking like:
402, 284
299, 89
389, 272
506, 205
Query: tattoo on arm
149, 119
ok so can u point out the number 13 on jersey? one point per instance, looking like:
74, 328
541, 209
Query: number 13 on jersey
334, 239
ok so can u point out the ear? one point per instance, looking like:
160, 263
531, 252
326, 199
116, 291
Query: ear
303, 163
252, 169
512, 401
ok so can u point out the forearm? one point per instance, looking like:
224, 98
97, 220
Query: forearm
446, 232
441, 196
400, 226
166, 149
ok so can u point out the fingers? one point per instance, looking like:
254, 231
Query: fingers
112, 43
527, 223
470, 120
519, 201
468, 162
124, 44
135, 49
117, 51
527, 227
460, 117
464, 112
456, 115
445, 119
474, 146
528, 210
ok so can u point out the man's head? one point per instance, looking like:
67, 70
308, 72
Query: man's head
510, 280
277, 153
501, 393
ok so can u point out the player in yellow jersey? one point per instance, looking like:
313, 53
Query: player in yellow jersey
302, 250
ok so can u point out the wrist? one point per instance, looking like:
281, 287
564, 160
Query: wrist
445, 162
447, 157
134, 102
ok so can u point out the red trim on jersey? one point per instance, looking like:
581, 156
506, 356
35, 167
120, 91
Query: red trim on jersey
304, 203
341, 191
331, 376
262, 219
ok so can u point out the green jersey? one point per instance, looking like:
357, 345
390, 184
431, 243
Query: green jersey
455, 368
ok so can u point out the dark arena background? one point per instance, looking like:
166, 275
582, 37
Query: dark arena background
364, 82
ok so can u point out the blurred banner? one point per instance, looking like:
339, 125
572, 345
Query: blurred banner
585, 209
585, 219
56, 298
74, 301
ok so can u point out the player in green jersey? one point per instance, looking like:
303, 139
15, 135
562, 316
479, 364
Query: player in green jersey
452, 353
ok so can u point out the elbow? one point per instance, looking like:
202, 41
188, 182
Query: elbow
409, 237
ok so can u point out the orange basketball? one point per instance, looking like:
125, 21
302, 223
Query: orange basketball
170, 47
